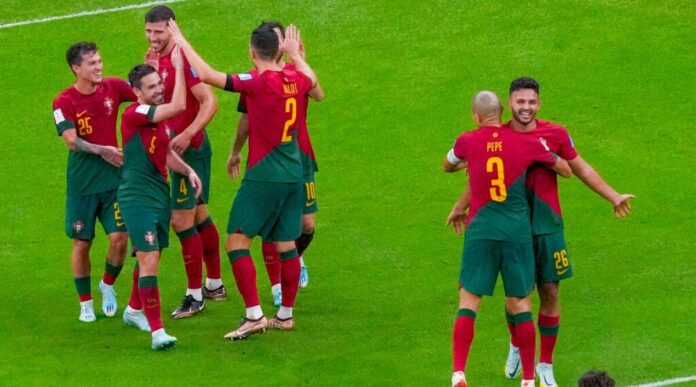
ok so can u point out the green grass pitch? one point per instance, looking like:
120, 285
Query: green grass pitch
398, 77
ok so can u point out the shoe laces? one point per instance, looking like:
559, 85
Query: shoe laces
188, 301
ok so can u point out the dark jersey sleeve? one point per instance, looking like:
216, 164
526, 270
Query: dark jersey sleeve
241, 105
241, 83
63, 114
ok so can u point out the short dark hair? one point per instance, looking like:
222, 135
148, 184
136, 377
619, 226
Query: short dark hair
75, 52
524, 83
159, 14
136, 75
275, 24
265, 42
596, 379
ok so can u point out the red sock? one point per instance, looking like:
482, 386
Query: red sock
289, 276
462, 337
526, 338
192, 251
271, 258
245, 276
149, 296
511, 327
548, 329
211, 248
135, 302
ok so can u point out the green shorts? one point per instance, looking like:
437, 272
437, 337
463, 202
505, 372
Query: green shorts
148, 228
271, 210
483, 259
551, 256
183, 194
81, 212
310, 205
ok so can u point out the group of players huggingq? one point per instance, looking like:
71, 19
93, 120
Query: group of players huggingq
128, 188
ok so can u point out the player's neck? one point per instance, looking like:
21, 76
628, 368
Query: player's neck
262, 66
168, 48
520, 127
85, 87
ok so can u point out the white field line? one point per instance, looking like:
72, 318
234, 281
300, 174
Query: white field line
669, 382
87, 13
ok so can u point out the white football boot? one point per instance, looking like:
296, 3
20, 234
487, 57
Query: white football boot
109, 303
87, 311
545, 373
513, 364
458, 379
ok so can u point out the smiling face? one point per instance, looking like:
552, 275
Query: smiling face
158, 36
89, 68
524, 104
151, 89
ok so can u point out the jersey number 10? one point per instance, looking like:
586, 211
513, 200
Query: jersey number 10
498, 191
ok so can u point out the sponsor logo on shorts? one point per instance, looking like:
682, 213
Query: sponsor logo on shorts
119, 224
309, 204
150, 238
181, 200
78, 226
561, 272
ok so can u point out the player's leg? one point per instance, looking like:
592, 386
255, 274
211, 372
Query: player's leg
513, 364
213, 289
80, 216
308, 220
517, 271
191, 251
114, 226
477, 277
271, 259
133, 314
150, 298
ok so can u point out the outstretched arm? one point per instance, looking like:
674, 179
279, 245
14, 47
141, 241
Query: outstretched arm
591, 178
208, 107
206, 73
562, 168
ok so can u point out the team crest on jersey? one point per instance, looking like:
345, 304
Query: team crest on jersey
543, 142
78, 226
164, 75
150, 238
109, 105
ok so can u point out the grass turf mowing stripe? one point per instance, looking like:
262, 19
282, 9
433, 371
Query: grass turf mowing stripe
87, 13
669, 382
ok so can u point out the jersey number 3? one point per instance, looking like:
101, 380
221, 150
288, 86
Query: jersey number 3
290, 107
498, 191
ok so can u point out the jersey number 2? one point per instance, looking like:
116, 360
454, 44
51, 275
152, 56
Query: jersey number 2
498, 191
290, 107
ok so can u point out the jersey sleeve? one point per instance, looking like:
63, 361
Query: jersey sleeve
241, 83
541, 153
125, 91
190, 75
140, 116
459, 148
63, 115
241, 105
567, 148
305, 83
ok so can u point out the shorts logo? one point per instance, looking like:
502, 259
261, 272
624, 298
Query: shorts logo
561, 272
150, 238
78, 226
181, 200
309, 204
119, 224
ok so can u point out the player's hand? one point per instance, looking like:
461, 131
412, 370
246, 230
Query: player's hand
456, 218
177, 58
180, 142
622, 207
195, 182
291, 43
302, 50
177, 36
233, 165
152, 58
461, 165
112, 155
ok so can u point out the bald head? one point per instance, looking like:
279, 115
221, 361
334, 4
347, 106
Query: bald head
487, 108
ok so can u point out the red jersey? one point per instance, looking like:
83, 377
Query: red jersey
498, 159
142, 137
181, 121
542, 182
274, 102
93, 116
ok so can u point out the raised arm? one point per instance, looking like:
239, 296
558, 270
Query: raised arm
291, 46
208, 107
178, 102
591, 178
206, 73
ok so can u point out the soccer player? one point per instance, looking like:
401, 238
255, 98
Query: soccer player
269, 200
144, 192
498, 232
309, 167
85, 117
550, 249
190, 219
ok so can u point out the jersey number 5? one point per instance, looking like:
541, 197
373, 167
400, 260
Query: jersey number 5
290, 107
498, 191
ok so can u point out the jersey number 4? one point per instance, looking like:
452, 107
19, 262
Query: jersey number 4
290, 107
498, 191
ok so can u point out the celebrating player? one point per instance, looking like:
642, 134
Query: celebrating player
144, 192
309, 167
85, 116
190, 219
269, 201
498, 236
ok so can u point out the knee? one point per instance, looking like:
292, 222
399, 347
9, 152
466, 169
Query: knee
182, 220
549, 294
308, 224
81, 248
119, 241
